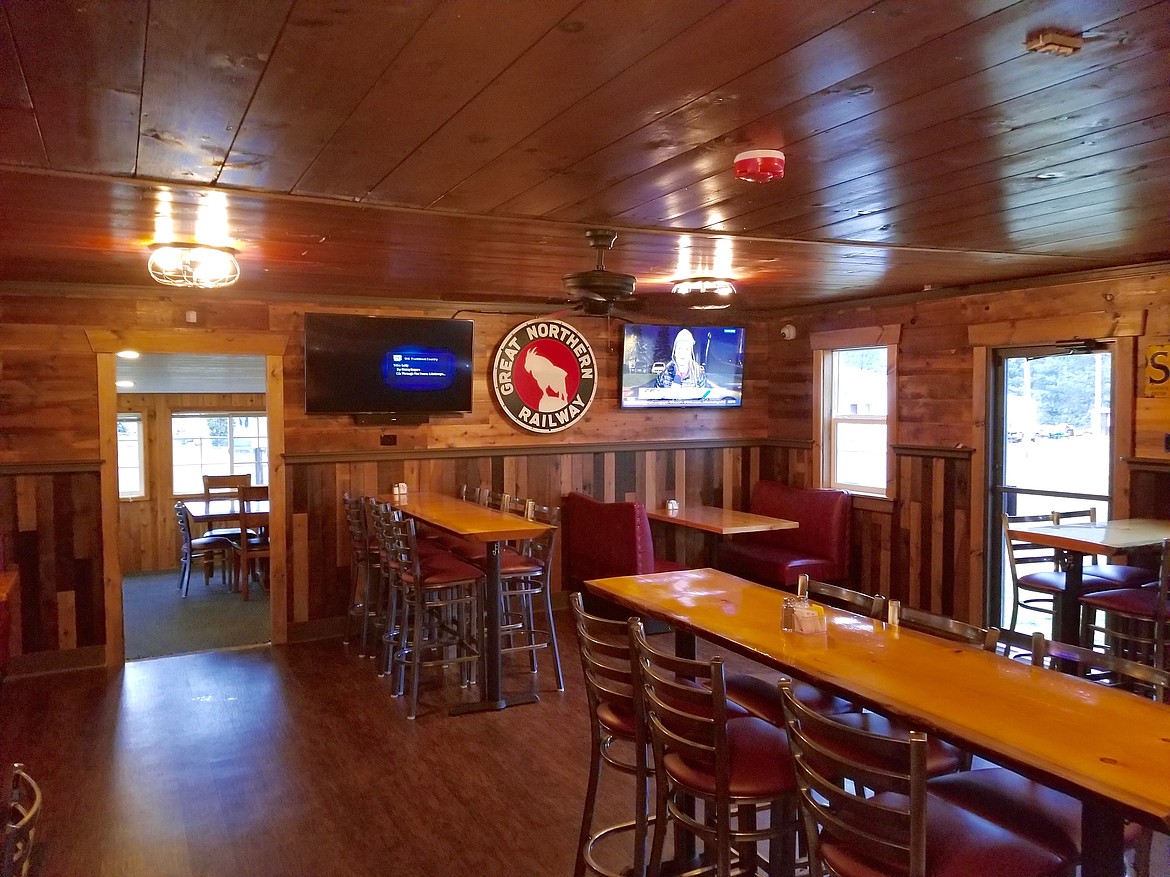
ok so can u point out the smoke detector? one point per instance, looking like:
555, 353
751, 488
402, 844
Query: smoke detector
1052, 42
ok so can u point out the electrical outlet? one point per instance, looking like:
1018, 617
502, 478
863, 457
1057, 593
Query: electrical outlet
388, 440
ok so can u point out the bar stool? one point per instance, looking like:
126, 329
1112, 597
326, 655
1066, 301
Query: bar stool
868, 809
439, 606
606, 660
364, 567
1136, 620
740, 768
20, 823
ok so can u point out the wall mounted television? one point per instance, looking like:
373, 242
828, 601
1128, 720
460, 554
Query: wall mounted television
387, 365
682, 366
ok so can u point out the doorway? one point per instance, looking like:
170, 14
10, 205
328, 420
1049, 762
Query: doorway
182, 417
1051, 440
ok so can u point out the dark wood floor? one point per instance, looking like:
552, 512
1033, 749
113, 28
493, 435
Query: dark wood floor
295, 760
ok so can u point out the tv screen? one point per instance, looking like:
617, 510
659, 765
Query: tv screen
682, 366
386, 365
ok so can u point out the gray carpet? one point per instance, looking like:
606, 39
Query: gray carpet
160, 621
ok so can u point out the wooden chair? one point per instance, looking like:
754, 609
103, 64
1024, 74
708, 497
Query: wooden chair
1048, 817
204, 548
868, 809
214, 485
615, 730
1136, 620
738, 767
761, 697
437, 609
24, 810
252, 545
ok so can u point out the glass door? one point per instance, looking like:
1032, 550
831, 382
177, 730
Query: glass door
1050, 448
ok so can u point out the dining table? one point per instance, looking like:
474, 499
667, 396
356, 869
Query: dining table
206, 510
1077, 540
717, 522
478, 523
1107, 747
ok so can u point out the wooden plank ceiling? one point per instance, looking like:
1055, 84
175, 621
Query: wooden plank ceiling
458, 149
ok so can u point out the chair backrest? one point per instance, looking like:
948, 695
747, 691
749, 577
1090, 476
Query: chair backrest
1022, 553
399, 544
183, 517
606, 659
250, 517
870, 605
948, 628
1099, 667
24, 810
543, 547
225, 483
824, 515
835, 765
684, 703
356, 524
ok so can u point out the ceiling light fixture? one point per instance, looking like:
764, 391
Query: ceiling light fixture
759, 165
194, 265
705, 293
128, 354
124, 385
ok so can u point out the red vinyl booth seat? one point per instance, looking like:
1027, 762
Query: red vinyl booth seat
601, 539
818, 547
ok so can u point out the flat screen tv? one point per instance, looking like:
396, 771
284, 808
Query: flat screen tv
387, 365
682, 366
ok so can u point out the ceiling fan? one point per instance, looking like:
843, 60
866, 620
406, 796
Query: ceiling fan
600, 292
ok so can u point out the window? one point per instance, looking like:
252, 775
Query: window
856, 442
131, 467
217, 444
855, 396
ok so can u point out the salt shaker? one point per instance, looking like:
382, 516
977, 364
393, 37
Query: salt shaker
894, 612
788, 613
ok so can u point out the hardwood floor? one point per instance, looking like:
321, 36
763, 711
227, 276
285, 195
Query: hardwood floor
295, 760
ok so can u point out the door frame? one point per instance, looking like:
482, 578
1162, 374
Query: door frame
105, 344
1125, 330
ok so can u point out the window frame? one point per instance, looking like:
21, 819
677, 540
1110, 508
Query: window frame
230, 415
140, 419
825, 345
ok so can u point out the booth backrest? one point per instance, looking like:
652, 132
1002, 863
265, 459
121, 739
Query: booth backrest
600, 539
823, 515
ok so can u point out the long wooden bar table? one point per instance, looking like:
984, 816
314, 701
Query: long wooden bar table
479, 524
1109, 748
1077, 540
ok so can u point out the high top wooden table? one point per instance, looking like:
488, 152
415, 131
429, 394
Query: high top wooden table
1077, 540
718, 521
479, 524
1109, 748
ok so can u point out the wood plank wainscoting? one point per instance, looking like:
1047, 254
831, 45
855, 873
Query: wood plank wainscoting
50, 521
914, 549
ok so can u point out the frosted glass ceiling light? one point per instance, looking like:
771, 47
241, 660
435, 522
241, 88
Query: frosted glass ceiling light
194, 265
705, 293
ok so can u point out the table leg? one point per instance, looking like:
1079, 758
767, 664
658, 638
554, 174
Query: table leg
492, 699
1102, 841
1066, 624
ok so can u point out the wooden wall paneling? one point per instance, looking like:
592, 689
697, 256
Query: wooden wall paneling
66, 620
978, 529
300, 572
1124, 415
608, 477
968, 591
47, 561
107, 417
938, 508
